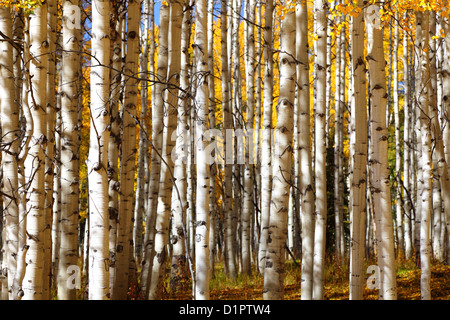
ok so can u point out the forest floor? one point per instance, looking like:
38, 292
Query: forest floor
250, 287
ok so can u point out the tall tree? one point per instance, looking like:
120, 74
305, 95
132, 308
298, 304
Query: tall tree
380, 182
35, 161
275, 255
201, 126
320, 15
97, 161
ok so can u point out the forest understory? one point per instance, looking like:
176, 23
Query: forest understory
250, 287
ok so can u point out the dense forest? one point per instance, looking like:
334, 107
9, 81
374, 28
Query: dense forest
151, 149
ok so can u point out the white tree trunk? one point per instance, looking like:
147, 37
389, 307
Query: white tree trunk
97, 161
380, 183
34, 163
320, 149
359, 159
10, 149
203, 162
275, 255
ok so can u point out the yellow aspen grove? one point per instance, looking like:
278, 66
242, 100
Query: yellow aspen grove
224, 150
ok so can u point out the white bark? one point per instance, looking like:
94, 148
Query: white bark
380, 183
203, 170
34, 163
320, 149
277, 233
97, 160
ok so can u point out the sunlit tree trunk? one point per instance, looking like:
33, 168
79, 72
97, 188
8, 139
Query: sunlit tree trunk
128, 151
423, 34
305, 172
275, 255
10, 149
157, 142
97, 161
69, 170
114, 140
320, 149
50, 147
170, 124
179, 240
380, 183
35, 161
359, 159
406, 150
249, 152
201, 125
266, 151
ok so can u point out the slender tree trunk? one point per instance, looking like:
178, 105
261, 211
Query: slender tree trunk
266, 151
170, 124
10, 150
157, 142
201, 125
320, 149
359, 159
97, 161
35, 161
69, 90
275, 256
306, 179
380, 183
128, 148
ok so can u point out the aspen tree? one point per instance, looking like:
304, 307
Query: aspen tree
306, 179
10, 149
170, 124
249, 152
201, 125
157, 141
179, 205
275, 257
423, 34
128, 148
380, 183
143, 157
98, 153
35, 161
69, 90
320, 14
266, 151
50, 147
406, 148
359, 161
228, 144
398, 199
117, 62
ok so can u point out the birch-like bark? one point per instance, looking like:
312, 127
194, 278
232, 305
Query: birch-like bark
97, 161
423, 34
305, 171
69, 167
249, 152
380, 183
179, 202
170, 125
275, 255
203, 162
320, 14
266, 151
10, 130
157, 142
359, 161
35, 161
